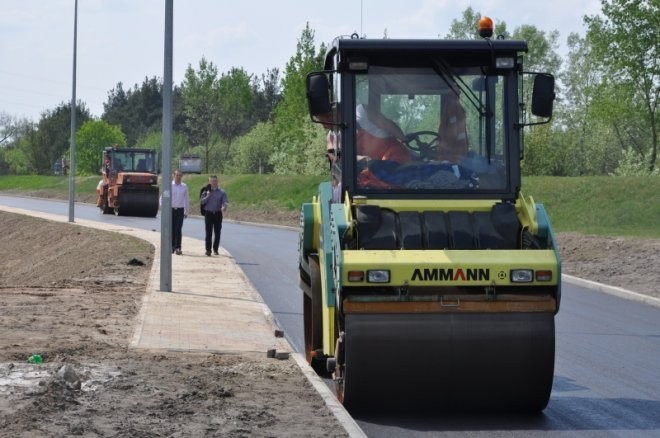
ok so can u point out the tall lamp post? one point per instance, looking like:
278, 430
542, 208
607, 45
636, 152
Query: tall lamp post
72, 149
166, 180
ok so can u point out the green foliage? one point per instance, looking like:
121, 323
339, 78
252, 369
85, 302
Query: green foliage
625, 42
304, 157
542, 48
201, 102
51, 139
267, 95
292, 134
634, 164
137, 111
17, 161
92, 137
217, 110
154, 140
7, 128
541, 155
216, 150
253, 150
236, 97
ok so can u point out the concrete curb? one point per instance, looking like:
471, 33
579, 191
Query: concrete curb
612, 290
329, 398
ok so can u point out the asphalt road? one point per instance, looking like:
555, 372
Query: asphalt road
607, 370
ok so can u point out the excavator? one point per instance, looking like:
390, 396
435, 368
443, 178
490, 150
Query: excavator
129, 184
428, 278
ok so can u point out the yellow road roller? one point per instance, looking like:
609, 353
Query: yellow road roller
428, 278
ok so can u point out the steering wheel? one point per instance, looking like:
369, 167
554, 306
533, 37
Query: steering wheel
422, 142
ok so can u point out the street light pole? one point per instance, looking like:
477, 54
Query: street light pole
166, 180
72, 149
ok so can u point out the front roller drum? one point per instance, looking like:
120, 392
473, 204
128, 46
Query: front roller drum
137, 202
447, 362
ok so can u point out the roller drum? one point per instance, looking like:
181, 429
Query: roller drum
138, 202
449, 361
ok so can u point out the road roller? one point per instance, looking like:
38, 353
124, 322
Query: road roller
428, 278
129, 184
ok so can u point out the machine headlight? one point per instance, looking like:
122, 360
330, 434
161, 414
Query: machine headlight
504, 62
378, 276
522, 275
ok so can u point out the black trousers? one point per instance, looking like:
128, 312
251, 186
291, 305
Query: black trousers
177, 225
213, 222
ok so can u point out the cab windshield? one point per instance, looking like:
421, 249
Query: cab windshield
134, 161
430, 129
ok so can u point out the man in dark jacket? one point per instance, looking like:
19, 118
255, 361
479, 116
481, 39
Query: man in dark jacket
215, 203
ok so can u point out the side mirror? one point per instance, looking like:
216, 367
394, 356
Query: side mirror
543, 95
318, 96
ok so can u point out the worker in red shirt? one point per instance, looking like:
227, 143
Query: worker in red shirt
378, 138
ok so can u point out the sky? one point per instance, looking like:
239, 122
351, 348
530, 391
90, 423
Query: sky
123, 40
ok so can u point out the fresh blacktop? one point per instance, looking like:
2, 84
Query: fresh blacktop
211, 307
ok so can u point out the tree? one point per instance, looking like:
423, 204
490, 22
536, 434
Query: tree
201, 103
291, 118
137, 111
51, 138
303, 156
267, 92
626, 43
92, 137
13, 155
541, 48
235, 101
154, 140
7, 128
584, 110
253, 150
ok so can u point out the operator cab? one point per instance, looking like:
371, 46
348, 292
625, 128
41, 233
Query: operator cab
431, 119
131, 160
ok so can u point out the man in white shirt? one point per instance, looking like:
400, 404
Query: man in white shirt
180, 208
